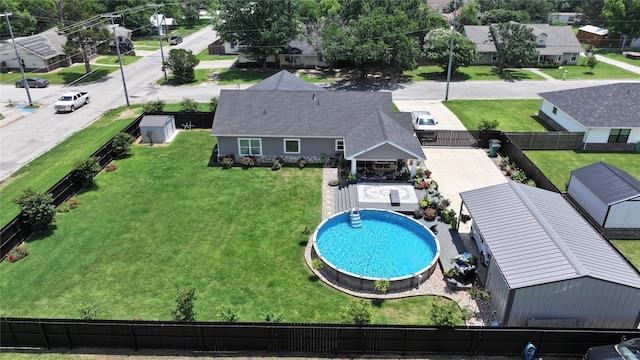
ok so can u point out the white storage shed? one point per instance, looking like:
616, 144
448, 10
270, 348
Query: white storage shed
609, 195
157, 129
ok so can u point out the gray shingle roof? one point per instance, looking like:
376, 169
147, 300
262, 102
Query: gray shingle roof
536, 237
285, 81
46, 44
610, 184
607, 106
560, 39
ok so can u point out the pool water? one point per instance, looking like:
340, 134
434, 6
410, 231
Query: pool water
388, 245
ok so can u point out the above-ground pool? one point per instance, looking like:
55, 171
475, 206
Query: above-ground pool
387, 245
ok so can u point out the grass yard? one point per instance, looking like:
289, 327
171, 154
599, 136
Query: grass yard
204, 56
149, 44
581, 72
513, 115
476, 72
46, 170
159, 220
630, 249
113, 59
72, 74
557, 165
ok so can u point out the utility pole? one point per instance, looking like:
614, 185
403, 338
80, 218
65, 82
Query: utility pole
156, 6
453, 32
113, 26
24, 78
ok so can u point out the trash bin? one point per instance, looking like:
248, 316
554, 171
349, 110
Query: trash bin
494, 146
638, 147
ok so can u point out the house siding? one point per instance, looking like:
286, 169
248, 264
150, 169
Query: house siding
624, 215
560, 120
484, 59
274, 147
587, 200
592, 303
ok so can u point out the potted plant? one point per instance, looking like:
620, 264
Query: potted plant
418, 213
334, 182
504, 162
427, 173
430, 214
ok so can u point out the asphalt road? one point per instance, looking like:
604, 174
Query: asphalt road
25, 136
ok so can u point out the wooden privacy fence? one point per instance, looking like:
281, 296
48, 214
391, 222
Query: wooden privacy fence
552, 140
310, 338
17, 230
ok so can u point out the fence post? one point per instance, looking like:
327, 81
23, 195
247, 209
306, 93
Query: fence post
133, 338
44, 335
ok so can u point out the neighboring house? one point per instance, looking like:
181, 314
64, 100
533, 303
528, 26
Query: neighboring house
165, 23
42, 52
298, 54
595, 36
548, 267
609, 195
567, 18
607, 114
554, 44
284, 116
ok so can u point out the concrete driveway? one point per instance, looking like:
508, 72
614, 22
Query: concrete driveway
445, 118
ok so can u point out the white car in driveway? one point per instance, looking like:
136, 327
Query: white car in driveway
425, 124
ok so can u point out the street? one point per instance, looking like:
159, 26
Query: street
25, 136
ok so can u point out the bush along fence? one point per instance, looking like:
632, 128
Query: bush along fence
18, 230
310, 338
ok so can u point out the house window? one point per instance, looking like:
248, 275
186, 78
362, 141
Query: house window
249, 146
494, 56
339, 145
571, 19
574, 57
292, 146
542, 38
619, 135
555, 110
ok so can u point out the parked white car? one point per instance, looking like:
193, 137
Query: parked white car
71, 101
425, 124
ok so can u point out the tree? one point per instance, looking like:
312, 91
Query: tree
184, 304
122, 144
437, 45
22, 21
37, 207
265, 27
501, 16
357, 312
591, 12
191, 14
468, 15
86, 170
514, 44
622, 17
182, 63
591, 61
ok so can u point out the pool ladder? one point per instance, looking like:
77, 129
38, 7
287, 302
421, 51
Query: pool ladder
354, 216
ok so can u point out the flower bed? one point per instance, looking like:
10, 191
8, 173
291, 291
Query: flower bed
17, 253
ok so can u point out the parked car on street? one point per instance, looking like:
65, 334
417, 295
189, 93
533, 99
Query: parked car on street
175, 39
625, 350
33, 83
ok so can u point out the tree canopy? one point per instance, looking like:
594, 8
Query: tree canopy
514, 44
182, 63
265, 27
622, 17
436, 49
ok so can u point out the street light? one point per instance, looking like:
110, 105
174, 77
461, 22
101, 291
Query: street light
113, 26
159, 36
24, 78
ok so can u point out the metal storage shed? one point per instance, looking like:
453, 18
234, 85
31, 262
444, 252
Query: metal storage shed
548, 266
609, 195
157, 129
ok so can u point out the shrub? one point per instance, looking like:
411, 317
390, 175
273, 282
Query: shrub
479, 294
247, 161
37, 207
531, 182
228, 313
519, 176
213, 104
226, 162
153, 106
184, 304
189, 105
122, 144
276, 164
382, 285
445, 314
357, 312
488, 125
69, 205
317, 264
86, 170
301, 163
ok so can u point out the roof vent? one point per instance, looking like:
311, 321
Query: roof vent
264, 112
313, 96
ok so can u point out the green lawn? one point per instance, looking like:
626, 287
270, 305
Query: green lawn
113, 59
46, 170
630, 249
581, 72
64, 76
476, 72
159, 220
513, 115
204, 56
149, 44
616, 54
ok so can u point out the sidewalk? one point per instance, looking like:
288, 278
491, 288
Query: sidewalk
620, 64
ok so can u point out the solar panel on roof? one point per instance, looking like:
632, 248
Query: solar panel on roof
37, 44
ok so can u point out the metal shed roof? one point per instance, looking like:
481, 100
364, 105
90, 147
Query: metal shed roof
155, 120
610, 184
536, 237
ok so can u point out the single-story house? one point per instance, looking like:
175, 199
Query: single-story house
567, 18
609, 195
554, 44
607, 114
286, 117
593, 35
548, 267
157, 129
297, 54
42, 52
165, 22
